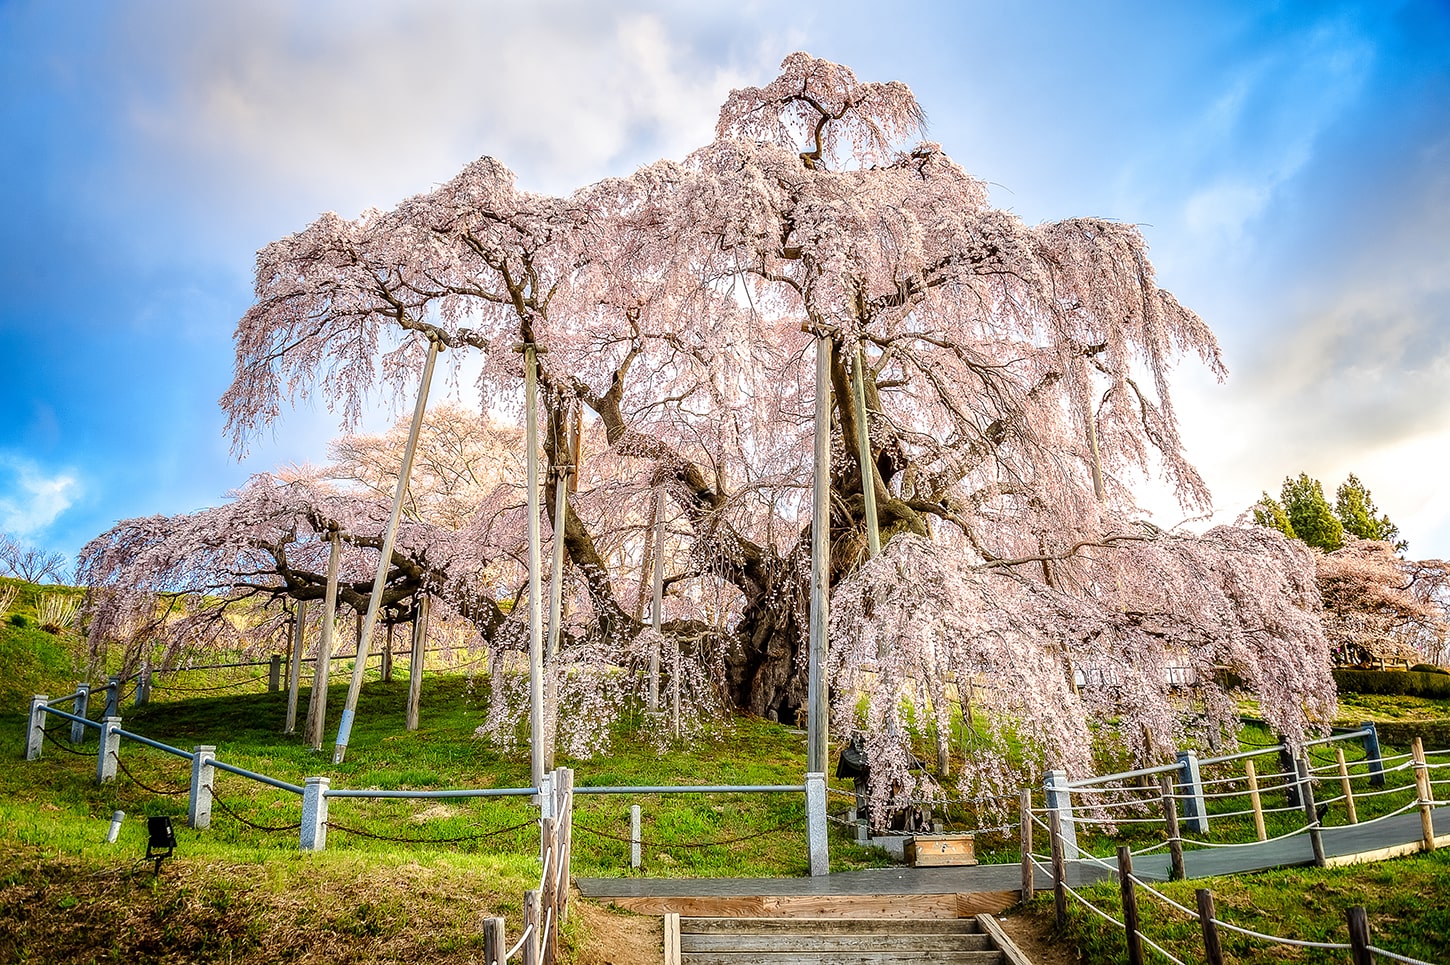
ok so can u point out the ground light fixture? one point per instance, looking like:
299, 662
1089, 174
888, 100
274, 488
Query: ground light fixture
160, 841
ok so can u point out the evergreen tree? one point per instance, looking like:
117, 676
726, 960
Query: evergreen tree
1269, 513
1361, 517
1310, 515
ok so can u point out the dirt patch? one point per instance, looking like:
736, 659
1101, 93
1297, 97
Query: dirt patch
617, 937
1032, 931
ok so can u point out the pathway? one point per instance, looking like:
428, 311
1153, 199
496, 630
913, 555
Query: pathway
988, 888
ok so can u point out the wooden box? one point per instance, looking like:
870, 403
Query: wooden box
931, 850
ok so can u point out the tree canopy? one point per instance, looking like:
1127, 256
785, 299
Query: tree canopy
1015, 384
1302, 512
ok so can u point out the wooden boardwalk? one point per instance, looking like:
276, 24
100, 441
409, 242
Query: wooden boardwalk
962, 891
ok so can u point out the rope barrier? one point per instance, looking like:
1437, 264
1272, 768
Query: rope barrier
405, 840
1331, 946
216, 799
520, 943
142, 784
63, 745
1397, 958
204, 690
795, 823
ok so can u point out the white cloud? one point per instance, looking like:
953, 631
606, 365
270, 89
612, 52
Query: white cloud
31, 499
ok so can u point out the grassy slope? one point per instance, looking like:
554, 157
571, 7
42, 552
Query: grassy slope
238, 894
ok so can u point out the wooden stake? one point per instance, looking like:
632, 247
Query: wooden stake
1258, 804
1130, 905
1311, 817
1059, 869
1344, 785
1359, 936
1024, 817
1212, 948
1425, 790
1170, 819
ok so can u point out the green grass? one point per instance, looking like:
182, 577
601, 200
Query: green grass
1403, 899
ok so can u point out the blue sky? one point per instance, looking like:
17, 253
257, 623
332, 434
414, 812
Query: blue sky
1289, 164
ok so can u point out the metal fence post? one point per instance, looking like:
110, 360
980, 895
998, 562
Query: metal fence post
35, 734
1195, 811
1059, 801
79, 708
314, 813
198, 810
1372, 754
816, 823
109, 751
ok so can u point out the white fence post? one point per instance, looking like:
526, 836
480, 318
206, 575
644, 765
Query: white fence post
35, 735
816, 823
143, 685
1059, 799
110, 750
314, 813
1194, 809
634, 829
79, 708
198, 811
113, 697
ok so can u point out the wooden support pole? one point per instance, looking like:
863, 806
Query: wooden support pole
556, 617
817, 698
1212, 947
657, 607
1059, 870
387, 668
294, 674
1024, 818
385, 556
317, 706
1359, 953
565, 813
1255, 801
416, 661
1130, 905
1425, 791
1170, 820
1345, 787
866, 464
536, 611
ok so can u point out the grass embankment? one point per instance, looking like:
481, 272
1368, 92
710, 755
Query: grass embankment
400, 881
1404, 899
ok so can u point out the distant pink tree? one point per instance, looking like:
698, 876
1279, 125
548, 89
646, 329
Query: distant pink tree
1376, 603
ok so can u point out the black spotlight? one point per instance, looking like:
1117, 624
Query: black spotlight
160, 841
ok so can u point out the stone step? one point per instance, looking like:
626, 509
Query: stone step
843, 958
809, 942
829, 926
